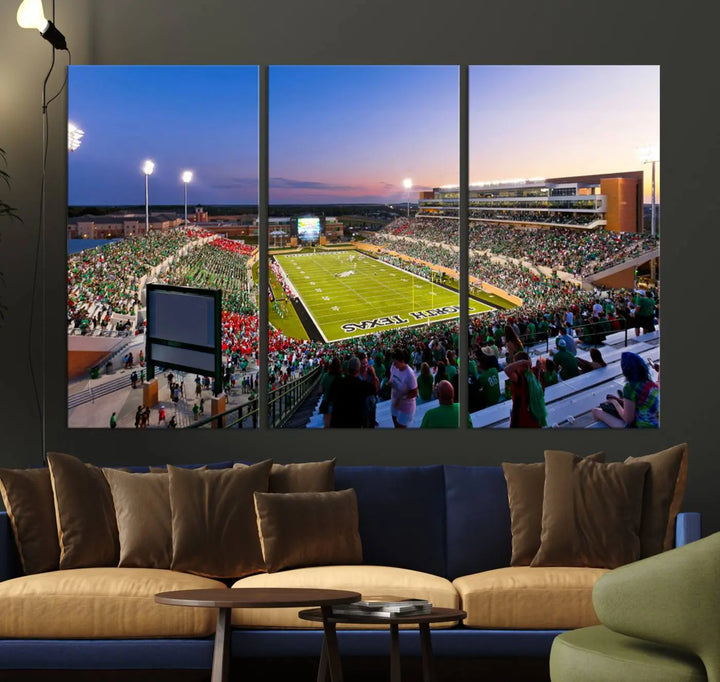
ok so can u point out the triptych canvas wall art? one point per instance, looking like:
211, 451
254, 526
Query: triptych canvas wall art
171, 262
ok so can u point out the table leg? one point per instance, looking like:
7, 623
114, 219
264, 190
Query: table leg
221, 652
428, 667
331, 643
323, 665
395, 670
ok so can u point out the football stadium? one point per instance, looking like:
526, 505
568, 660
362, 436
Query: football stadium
563, 284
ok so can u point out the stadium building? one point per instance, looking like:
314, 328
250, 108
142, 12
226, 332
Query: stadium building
613, 201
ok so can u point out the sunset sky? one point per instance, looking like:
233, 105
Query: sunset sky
349, 134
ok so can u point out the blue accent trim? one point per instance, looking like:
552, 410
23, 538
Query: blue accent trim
458, 641
687, 528
106, 654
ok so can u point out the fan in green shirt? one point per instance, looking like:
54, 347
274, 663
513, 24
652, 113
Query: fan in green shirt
565, 361
447, 414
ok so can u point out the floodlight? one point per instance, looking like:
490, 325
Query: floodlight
649, 153
148, 167
407, 183
30, 14
75, 136
187, 176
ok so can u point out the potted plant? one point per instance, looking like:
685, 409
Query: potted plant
6, 211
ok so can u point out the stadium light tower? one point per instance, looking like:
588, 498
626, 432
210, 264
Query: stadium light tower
187, 177
75, 136
651, 155
147, 169
407, 184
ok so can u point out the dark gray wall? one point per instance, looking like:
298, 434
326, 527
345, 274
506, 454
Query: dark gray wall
377, 32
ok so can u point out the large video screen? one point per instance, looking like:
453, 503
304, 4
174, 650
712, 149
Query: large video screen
308, 229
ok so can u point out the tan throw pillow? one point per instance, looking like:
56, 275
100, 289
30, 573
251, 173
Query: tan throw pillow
214, 531
591, 512
662, 499
303, 477
142, 510
300, 477
308, 529
525, 484
28, 498
84, 513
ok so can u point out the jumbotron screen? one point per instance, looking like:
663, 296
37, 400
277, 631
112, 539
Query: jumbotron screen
308, 229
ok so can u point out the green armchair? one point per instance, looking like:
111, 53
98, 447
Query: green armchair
660, 622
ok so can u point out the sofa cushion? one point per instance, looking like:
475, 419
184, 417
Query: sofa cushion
28, 498
84, 512
214, 531
370, 581
102, 603
591, 512
597, 654
142, 510
521, 597
308, 529
402, 514
662, 498
478, 520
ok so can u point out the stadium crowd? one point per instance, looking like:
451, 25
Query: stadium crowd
577, 252
104, 281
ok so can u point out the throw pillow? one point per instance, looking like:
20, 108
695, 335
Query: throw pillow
591, 512
662, 500
142, 511
214, 532
28, 498
84, 513
301, 477
308, 529
525, 484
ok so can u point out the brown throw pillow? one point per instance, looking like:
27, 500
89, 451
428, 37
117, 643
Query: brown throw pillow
662, 499
28, 498
525, 484
300, 477
84, 513
142, 510
303, 477
308, 529
214, 531
591, 512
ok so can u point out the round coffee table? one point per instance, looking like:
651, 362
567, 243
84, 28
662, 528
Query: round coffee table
330, 651
224, 600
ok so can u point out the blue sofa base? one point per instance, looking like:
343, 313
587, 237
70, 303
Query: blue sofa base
196, 654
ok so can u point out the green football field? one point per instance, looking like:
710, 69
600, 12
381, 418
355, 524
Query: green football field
350, 294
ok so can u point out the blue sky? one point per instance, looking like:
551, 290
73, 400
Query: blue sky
342, 134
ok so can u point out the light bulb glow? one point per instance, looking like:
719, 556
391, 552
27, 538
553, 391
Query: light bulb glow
148, 167
407, 183
187, 176
30, 14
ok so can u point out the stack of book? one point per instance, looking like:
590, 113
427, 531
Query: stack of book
383, 607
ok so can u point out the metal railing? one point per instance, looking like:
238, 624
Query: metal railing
286, 399
283, 403
588, 333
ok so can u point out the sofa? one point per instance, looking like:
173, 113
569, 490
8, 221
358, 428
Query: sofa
439, 532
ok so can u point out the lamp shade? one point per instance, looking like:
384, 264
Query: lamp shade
30, 14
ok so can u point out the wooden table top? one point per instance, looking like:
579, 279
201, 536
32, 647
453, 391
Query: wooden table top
437, 615
257, 597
